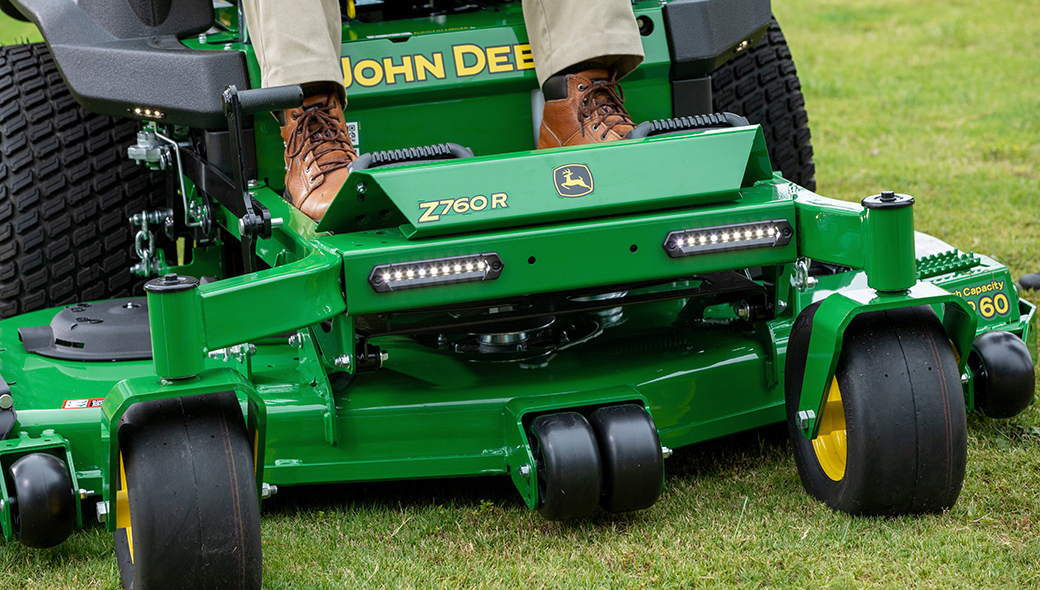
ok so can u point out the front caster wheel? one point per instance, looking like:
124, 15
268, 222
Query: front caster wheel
1003, 374
187, 510
633, 467
892, 437
568, 463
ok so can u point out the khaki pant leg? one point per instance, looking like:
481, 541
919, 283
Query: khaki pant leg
567, 32
296, 41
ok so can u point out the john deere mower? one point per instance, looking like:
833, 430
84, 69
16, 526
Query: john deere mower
468, 306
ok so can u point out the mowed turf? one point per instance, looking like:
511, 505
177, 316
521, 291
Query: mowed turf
938, 99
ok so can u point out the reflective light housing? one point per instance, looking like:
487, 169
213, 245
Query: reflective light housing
151, 113
436, 271
724, 238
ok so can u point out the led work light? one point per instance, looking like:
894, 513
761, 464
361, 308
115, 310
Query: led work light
437, 271
723, 238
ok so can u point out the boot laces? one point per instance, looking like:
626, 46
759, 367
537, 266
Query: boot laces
321, 132
603, 101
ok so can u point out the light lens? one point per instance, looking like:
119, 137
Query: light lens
723, 238
438, 271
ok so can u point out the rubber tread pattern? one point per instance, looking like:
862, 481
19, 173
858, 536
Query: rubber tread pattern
66, 191
762, 84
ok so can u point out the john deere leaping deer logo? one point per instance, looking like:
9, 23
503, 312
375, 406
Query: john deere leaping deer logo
573, 180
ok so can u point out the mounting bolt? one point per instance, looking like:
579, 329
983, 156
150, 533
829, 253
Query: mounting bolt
296, 340
228, 47
525, 471
361, 187
781, 307
803, 418
383, 357
666, 452
277, 222
965, 377
6, 401
102, 512
267, 490
3, 505
253, 183
84, 494
888, 196
342, 362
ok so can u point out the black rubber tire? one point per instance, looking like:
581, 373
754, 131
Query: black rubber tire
45, 501
762, 84
568, 465
630, 452
192, 494
903, 407
1003, 374
66, 191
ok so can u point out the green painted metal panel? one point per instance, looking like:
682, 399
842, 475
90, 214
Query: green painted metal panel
553, 185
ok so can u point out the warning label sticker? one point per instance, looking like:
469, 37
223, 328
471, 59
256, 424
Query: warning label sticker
79, 404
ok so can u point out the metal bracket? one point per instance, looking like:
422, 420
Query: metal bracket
800, 279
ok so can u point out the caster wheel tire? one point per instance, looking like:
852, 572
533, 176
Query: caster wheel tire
633, 467
568, 466
45, 511
1003, 374
893, 436
187, 507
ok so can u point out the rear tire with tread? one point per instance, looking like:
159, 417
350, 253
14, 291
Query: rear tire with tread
762, 84
66, 190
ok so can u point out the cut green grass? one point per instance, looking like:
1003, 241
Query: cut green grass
935, 99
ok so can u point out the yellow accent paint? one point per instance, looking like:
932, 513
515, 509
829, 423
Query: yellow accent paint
524, 57
831, 444
424, 65
498, 59
392, 70
461, 69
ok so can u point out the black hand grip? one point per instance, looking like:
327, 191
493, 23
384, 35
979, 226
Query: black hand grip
277, 98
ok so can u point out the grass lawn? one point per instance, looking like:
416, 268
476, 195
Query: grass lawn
938, 99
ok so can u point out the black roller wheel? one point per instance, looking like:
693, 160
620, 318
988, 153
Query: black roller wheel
892, 437
189, 514
1003, 374
568, 465
633, 467
45, 503
66, 190
762, 85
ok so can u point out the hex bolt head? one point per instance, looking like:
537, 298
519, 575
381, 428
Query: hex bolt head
802, 419
666, 452
342, 362
525, 471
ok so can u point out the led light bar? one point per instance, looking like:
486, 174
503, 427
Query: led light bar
155, 114
436, 271
724, 238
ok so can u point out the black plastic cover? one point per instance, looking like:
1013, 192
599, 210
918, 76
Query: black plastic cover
115, 330
415, 155
704, 34
115, 62
7, 415
683, 124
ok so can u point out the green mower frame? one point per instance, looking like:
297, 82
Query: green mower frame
562, 317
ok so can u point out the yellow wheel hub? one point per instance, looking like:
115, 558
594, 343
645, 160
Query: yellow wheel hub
831, 444
123, 509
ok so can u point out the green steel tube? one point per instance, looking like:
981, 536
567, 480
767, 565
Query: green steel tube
174, 316
890, 255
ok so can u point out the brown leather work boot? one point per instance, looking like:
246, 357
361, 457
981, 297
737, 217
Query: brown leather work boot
317, 153
587, 107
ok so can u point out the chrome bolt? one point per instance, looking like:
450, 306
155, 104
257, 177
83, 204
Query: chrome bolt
202, 37
296, 340
781, 307
3, 505
6, 401
102, 512
965, 377
219, 354
666, 452
342, 362
228, 47
525, 471
84, 494
383, 357
267, 490
803, 418
360, 187
253, 183
277, 222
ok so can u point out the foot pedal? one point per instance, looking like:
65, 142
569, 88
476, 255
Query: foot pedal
415, 155
684, 124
